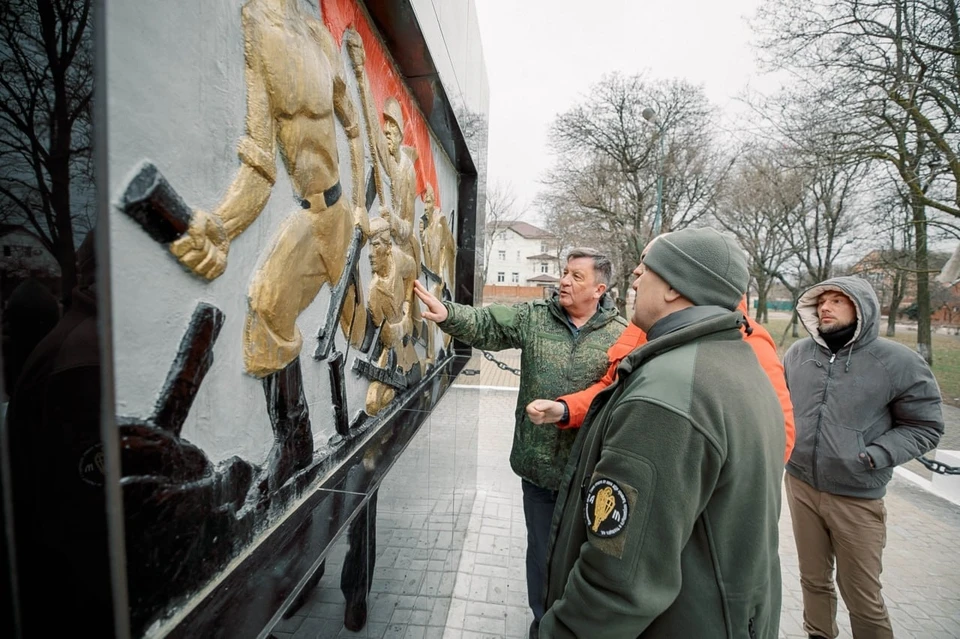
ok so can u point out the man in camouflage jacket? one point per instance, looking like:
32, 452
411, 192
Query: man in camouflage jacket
564, 342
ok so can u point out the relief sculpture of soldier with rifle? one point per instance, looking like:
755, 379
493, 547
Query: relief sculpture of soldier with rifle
295, 95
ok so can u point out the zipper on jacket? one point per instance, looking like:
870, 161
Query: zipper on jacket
751, 629
577, 341
584, 486
823, 402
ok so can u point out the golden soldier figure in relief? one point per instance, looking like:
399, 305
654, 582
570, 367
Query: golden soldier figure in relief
439, 256
389, 307
397, 161
295, 95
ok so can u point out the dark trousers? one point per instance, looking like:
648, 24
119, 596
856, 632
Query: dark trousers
538, 504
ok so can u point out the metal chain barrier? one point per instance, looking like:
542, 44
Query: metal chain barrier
934, 466
499, 364
938, 467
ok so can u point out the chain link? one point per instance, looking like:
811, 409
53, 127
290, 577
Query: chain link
938, 467
499, 364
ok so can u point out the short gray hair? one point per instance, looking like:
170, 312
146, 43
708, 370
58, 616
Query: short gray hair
602, 266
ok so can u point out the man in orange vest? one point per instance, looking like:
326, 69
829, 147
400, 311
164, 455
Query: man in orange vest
569, 411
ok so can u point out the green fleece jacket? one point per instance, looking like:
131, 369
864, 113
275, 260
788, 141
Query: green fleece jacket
553, 362
666, 521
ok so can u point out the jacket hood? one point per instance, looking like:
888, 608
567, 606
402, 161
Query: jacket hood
864, 300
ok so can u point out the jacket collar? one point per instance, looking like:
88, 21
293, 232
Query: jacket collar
606, 311
680, 328
682, 318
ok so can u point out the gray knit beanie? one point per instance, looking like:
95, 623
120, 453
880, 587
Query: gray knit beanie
706, 267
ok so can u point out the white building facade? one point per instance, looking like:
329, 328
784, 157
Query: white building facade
522, 254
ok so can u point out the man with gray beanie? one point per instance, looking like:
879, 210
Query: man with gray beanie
666, 520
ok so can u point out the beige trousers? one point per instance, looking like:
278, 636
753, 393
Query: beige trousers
852, 531
309, 250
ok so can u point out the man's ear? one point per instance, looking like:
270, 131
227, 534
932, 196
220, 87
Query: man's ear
671, 295
601, 289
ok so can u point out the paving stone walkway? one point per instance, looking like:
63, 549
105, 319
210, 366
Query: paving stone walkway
451, 561
921, 563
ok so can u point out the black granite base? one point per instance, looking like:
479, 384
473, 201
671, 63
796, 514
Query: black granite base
281, 558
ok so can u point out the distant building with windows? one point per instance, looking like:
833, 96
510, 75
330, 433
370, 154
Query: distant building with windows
522, 254
22, 256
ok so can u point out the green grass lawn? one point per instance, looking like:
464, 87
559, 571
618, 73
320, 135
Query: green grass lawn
946, 355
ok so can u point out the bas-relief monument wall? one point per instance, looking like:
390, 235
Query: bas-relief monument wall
275, 189
189, 125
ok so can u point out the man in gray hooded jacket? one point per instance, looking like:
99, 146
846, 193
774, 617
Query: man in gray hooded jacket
863, 405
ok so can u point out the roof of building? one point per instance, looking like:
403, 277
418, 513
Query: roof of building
524, 229
543, 277
543, 256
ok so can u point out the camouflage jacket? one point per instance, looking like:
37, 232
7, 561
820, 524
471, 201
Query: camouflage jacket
553, 363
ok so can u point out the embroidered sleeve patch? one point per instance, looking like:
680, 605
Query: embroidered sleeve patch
91, 466
606, 509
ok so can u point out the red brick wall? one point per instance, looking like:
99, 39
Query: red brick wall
511, 293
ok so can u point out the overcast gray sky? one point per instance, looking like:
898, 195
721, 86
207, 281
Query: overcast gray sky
543, 55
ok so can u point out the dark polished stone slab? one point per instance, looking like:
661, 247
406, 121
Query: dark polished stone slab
222, 545
393, 572
250, 595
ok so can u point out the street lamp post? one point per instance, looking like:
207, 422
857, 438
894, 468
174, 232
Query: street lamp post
653, 118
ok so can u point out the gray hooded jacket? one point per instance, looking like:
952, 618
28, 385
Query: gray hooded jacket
874, 400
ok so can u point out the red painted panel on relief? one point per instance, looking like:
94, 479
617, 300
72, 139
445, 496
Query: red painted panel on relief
339, 15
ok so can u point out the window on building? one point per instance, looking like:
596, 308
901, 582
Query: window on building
500, 277
544, 267
543, 247
518, 255
515, 278
502, 255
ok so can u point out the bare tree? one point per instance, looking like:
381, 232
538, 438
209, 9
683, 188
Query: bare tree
909, 150
889, 65
607, 162
890, 266
822, 226
757, 201
820, 201
819, 231
502, 211
569, 228
46, 88
890, 72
